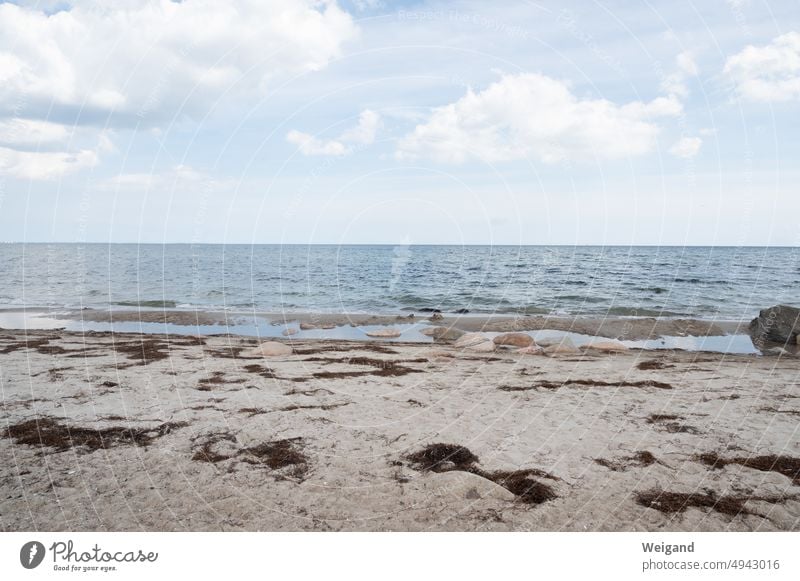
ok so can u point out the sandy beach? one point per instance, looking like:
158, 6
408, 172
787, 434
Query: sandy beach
135, 432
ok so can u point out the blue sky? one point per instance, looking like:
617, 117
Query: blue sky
292, 121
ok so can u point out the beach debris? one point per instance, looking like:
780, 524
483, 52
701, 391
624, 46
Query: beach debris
786, 465
640, 459
522, 484
678, 502
387, 333
285, 456
668, 422
606, 346
653, 364
563, 347
514, 340
532, 350
546, 384
436, 317
472, 339
269, 349
53, 433
779, 324
216, 378
288, 332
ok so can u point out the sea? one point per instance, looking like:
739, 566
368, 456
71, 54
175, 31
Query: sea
722, 283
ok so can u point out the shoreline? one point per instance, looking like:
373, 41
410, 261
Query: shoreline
612, 327
149, 432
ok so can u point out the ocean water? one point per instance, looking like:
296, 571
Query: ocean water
703, 282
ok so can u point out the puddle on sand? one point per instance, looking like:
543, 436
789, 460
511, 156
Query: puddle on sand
410, 332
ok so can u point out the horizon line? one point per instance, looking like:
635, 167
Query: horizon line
541, 245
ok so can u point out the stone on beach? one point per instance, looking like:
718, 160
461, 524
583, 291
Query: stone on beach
778, 324
531, 350
290, 331
607, 346
442, 333
387, 333
484, 347
269, 349
307, 326
563, 347
470, 339
514, 340
465, 486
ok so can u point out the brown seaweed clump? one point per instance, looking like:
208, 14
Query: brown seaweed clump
449, 457
52, 433
678, 502
786, 465
640, 459
280, 455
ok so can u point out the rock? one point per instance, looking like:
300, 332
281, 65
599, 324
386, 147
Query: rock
387, 333
485, 347
290, 331
442, 333
469, 339
607, 346
307, 326
461, 311
514, 340
465, 486
436, 317
269, 349
779, 324
327, 326
429, 310
532, 350
776, 352
565, 347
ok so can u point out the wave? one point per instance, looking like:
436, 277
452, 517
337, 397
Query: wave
148, 304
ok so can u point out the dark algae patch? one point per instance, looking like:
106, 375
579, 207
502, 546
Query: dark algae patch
678, 502
554, 385
448, 457
786, 465
640, 459
52, 433
285, 456
670, 423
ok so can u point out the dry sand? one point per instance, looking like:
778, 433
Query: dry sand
129, 432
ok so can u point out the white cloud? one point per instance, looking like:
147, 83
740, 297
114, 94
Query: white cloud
675, 83
310, 145
767, 73
686, 147
26, 132
38, 165
531, 115
155, 59
362, 134
178, 178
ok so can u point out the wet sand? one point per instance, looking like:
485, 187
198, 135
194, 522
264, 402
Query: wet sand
622, 328
145, 432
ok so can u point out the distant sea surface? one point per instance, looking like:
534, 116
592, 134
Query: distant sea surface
702, 282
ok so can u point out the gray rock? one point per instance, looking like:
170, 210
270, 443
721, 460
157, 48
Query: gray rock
779, 324
443, 334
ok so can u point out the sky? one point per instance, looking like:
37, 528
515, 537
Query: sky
417, 122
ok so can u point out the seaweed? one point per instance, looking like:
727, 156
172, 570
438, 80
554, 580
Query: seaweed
786, 465
46, 432
678, 502
449, 457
